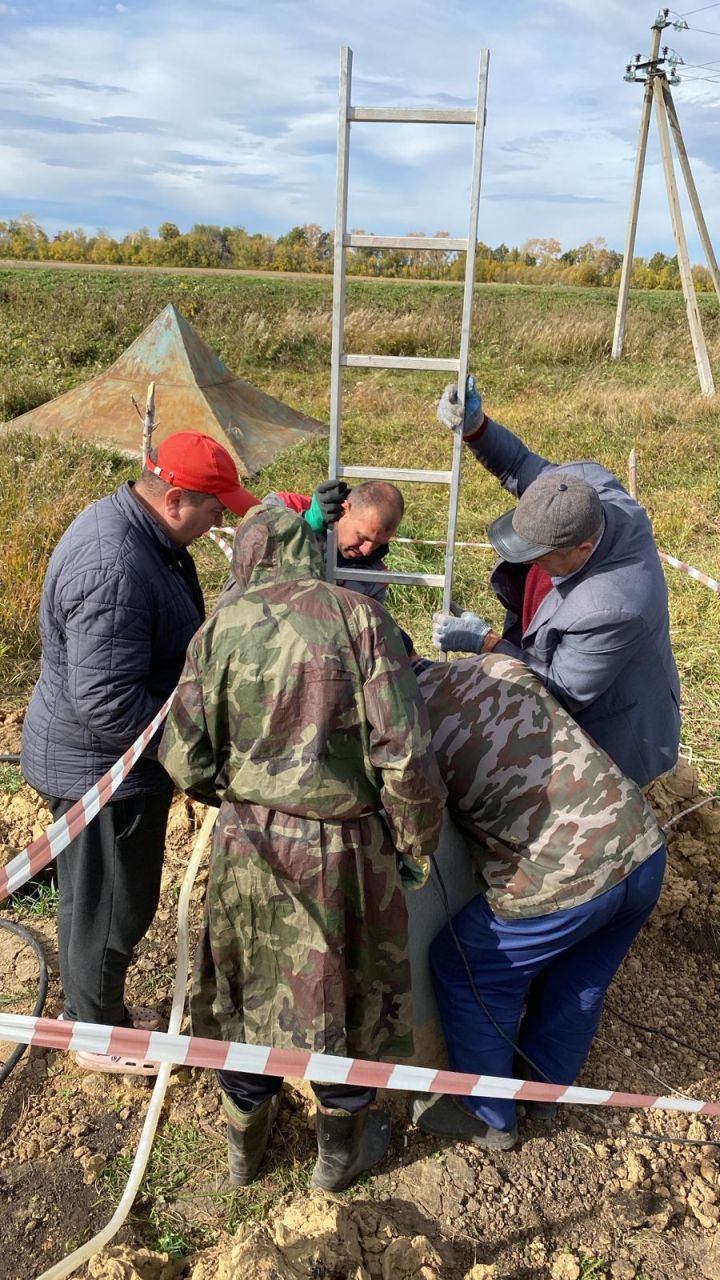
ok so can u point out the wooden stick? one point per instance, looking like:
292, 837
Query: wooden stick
627, 266
691, 188
632, 473
149, 423
707, 385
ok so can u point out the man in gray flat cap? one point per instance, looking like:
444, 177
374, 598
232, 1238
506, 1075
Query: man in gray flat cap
585, 594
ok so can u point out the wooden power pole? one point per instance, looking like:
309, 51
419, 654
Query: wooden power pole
657, 91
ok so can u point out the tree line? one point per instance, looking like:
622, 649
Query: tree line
310, 249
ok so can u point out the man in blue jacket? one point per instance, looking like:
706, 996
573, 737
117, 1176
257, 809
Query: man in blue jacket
585, 595
120, 603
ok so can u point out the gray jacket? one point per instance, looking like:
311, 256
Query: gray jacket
600, 640
120, 604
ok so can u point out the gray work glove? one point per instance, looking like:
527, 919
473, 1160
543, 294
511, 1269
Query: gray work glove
465, 634
327, 504
450, 411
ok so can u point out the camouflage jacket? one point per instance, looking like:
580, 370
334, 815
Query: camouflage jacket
298, 696
551, 821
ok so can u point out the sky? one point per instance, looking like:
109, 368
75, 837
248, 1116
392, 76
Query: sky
125, 115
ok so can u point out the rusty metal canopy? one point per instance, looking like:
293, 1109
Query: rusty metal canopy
194, 391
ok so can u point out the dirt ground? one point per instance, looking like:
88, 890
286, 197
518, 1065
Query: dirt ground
595, 1195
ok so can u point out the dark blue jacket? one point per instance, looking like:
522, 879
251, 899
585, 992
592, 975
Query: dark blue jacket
600, 640
120, 604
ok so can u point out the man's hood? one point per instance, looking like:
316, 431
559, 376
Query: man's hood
272, 545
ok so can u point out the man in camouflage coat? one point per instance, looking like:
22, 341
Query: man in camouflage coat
570, 860
299, 713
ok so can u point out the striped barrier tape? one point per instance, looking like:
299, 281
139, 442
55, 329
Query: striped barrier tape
706, 580
231, 1055
214, 534
58, 836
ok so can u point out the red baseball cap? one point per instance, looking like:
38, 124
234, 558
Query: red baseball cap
194, 461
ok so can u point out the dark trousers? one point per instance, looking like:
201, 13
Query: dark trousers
249, 1092
109, 889
557, 966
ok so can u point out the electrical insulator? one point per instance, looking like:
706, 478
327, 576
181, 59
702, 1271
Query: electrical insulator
680, 25
675, 60
674, 78
629, 73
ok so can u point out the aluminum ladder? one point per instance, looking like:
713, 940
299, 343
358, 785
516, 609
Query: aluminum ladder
340, 359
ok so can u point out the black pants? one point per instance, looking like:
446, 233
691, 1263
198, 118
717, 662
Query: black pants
249, 1092
109, 888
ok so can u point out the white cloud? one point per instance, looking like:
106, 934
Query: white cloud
230, 115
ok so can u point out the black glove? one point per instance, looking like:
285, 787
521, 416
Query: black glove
327, 504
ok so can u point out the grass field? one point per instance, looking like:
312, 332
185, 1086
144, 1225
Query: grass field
541, 357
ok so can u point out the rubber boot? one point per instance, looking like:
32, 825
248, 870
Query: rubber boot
348, 1144
446, 1117
247, 1137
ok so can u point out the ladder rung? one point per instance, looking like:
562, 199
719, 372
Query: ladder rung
400, 362
413, 115
441, 243
378, 575
396, 473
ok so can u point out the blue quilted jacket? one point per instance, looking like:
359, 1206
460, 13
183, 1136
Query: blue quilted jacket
120, 604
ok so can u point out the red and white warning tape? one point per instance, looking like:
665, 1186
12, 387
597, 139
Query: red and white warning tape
229, 1055
220, 542
58, 836
706, 580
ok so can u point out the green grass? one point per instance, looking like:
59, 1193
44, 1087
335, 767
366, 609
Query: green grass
11, 779
541, 357
179, 1156
42, 902
181, 1163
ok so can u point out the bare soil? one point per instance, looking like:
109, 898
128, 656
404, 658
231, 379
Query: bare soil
595, 1195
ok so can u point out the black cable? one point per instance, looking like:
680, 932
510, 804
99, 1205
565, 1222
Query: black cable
30, 941
11, 757
666, 1035
508, 1039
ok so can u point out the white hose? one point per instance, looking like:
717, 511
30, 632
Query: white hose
75, 1259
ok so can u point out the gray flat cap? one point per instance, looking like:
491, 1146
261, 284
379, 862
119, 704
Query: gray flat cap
557, 510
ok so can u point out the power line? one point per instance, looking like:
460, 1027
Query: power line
703, 10
701, 31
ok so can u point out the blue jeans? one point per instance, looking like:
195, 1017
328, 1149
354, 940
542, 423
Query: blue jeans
557, 967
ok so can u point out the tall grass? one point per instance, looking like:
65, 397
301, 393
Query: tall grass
541, 358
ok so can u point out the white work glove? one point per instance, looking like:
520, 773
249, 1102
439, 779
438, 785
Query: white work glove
450, 411
465, 634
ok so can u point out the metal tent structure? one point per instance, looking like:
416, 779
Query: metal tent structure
194, 391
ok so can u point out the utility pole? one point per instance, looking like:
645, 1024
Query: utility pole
657, 90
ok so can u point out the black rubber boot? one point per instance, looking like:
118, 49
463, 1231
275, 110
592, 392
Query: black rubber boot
348, 1145
247, 1138
445, 1117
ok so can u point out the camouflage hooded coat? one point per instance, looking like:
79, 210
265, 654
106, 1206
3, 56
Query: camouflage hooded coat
298, 711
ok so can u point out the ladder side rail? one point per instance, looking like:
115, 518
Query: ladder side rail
338, 311
466, 329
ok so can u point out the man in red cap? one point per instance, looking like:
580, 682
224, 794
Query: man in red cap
120, 603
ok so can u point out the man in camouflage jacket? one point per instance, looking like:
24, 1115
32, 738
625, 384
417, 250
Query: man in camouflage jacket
298, 713
570, 860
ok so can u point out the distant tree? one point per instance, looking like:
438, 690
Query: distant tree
168, 231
